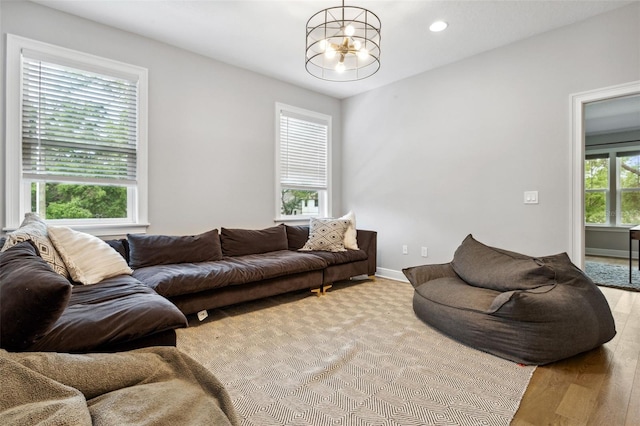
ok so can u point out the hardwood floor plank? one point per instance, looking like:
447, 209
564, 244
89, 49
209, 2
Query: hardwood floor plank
577, 403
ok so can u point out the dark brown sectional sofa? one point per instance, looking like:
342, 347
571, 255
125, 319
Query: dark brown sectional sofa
252, 264
172, 277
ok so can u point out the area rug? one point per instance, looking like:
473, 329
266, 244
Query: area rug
610, 275
357, 356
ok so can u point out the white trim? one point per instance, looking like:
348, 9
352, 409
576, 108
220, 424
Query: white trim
391, 274
622, 254
15, 198
578, 101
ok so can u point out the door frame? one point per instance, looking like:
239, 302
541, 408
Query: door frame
578, 102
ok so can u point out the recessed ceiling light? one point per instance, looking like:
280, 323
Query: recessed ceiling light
438, 26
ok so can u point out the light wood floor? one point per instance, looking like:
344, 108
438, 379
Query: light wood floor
600, 387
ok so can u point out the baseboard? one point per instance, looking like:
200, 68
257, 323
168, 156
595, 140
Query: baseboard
623, 254
391, 274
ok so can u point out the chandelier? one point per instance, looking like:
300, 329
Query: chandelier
343, 44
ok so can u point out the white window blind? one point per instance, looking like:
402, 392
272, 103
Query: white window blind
77, 125
303, 152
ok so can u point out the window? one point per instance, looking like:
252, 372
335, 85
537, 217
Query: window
76, 145
629, 187
596, 184
302, 163
612, 187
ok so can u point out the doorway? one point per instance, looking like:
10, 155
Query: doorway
580, 104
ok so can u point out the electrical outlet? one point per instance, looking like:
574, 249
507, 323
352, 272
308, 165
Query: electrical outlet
202, 315
405, 250
424, 252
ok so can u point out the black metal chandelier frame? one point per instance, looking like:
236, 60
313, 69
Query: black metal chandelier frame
343, 43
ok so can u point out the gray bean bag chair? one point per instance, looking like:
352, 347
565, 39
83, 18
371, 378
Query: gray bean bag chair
521, 308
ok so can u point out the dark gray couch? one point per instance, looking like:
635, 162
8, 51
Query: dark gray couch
525, 309
245, 265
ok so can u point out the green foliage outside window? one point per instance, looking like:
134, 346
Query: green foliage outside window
293, 200
77, 201
629, 182
596, 183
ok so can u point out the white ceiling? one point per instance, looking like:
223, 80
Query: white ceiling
268, 36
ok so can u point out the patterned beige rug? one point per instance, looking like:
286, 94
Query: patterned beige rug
357, 356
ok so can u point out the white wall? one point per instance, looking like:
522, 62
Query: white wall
449, 152
211, 125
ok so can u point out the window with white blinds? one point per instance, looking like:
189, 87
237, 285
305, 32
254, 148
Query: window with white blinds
77, 126
303, 152
303, 167
76, 140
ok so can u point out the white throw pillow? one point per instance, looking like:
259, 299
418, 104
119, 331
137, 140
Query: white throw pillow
326, 235
89, 260
35, 229
350, 237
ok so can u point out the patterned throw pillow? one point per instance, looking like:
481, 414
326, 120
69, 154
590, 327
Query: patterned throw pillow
35, 229
326, 235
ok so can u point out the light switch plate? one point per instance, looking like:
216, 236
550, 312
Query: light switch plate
531, 197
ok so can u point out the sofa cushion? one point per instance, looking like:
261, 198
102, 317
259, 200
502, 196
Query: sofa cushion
33, 228
483, 266
89, 260
341, 257
326, 235
149, 250
297, 236
32, 296
114, 311
179, 279
240, 242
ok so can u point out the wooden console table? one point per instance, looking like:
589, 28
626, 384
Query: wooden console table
634, 234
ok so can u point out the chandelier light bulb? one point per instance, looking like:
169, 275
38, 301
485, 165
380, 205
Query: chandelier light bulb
340, 67
357, 45
323, 44
363, 53
330, 53
349, 30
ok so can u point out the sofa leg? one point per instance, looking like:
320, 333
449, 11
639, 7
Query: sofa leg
322, 290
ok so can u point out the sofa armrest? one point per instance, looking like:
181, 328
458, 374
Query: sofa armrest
418, 275
368, 241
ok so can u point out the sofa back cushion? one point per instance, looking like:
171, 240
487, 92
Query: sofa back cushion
240, 242
297, 236
483, 266
150, 250
33, 296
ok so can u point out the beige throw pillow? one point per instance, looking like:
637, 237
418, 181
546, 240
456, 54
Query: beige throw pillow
350, 237
88, 258
34, 229
326, 235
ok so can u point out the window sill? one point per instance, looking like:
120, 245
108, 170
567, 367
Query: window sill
296, 220
608, 228
105, 229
